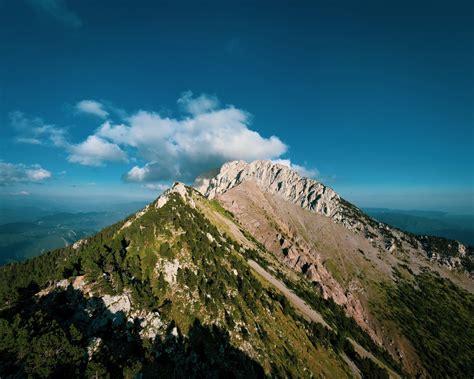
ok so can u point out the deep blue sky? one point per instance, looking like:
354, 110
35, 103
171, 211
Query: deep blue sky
377, 96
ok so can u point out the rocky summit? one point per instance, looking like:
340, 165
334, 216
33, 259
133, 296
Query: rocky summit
276, 179
255, 272
287, 184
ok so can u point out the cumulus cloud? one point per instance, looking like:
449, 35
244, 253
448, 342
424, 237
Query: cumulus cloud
165, 148
58, 10
94, 151
11, 173
182, 148
303, 171
197, 105
92, 107
34, 131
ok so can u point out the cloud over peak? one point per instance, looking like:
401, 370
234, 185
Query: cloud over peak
203, 137
182, 148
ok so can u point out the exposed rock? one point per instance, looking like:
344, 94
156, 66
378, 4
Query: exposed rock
76, 245
62, 283
309, 194
134, 218
282, 181
150, 324
210, 237
170, 270
276, 179
174, 332
117, 303
93, 346
178, 188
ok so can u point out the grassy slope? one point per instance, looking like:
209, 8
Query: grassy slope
438, 319
352, 259
138, 258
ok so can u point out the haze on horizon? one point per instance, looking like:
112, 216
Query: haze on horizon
109, 104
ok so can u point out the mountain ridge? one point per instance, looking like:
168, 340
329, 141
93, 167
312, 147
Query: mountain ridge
314, 196
172, 289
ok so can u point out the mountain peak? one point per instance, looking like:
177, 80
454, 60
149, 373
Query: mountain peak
281, 181
276, 179
268, 278
181, 189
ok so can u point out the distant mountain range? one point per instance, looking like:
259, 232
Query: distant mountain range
255, 272
457, 227
26, 232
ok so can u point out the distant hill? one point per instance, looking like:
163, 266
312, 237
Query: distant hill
457, 227
28, 235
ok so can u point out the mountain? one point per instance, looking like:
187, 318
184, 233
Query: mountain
257, 272
308, 194
32, 236
441, 224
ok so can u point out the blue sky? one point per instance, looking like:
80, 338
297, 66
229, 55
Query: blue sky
107, 100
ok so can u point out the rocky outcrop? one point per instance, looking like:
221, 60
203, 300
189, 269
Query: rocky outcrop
286, 183
179, 188
309, 194
275, 179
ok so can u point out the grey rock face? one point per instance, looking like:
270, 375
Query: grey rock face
275, 179
314, 196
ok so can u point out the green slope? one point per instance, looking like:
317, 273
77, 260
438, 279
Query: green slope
168, 292
195, 307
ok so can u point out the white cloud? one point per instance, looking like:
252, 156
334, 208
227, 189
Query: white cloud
38, 174
94, 151
58, 10
92, 107
169, 148
181, 149
29, 140
197, 105
11, 173
303, 171
138, 174
35, 131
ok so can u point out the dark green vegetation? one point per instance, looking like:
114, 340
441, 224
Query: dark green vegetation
30, 236
168, 293
345, 326
438, 319
18, 281
69, 332
52, 337
339, 342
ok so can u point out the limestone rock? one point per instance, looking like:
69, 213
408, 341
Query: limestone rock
276, 179
309, 194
